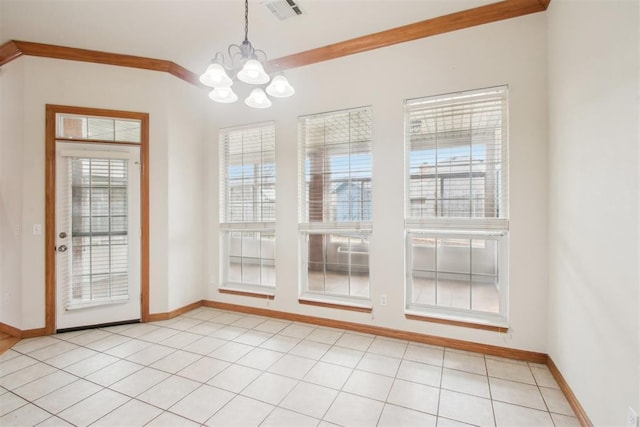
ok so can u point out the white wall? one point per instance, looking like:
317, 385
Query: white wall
186, 237
11, 131
511, 52
167, 100
594, 195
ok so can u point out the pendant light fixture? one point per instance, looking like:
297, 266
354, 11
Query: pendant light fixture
247, 65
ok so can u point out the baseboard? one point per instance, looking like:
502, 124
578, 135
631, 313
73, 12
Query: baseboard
510, 353
18, 333
581, 414
32, 333
10, 330
156, 317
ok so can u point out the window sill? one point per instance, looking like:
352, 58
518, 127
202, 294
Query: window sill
335, 303
456, 321
247, 293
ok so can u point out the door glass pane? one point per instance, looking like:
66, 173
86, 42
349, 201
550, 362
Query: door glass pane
101, 128
100, 245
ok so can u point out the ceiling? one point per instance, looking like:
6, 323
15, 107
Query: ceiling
189, 32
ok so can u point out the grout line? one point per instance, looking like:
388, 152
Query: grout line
493, 409
440, 385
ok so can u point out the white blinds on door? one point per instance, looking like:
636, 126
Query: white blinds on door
96, 203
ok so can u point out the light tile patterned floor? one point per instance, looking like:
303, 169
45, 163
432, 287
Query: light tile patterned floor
218, 368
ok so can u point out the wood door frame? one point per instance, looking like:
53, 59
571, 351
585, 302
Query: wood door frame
50, 202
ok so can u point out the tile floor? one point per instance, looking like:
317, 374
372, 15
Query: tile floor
219, 368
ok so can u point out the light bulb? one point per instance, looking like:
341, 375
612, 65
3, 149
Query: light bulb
225, 95
280, 87
215, 76
253, 73
258, 99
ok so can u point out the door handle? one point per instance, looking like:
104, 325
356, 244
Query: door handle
62, 248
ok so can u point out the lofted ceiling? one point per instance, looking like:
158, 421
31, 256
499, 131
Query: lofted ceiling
189, 32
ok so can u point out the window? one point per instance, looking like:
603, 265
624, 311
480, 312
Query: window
457, 205
335, 204
98, 128
247, 207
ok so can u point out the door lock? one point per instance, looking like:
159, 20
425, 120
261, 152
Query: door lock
62, 235
62, 248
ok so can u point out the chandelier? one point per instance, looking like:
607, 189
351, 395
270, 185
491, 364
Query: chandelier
247, 65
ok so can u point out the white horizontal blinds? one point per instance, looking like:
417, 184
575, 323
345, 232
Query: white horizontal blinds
457, 155
335, 202
335, 169
248, 190
99, 231
248, 205
99, 128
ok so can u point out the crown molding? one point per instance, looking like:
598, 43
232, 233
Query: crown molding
8, 52
15, 48
443, 24
493, 12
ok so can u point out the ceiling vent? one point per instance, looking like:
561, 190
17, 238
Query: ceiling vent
283, 9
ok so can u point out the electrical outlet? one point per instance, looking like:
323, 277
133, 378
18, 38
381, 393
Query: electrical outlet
632, 418
383, 299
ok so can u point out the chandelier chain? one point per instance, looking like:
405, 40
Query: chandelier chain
246, 20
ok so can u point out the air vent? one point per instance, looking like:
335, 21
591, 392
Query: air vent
283, 9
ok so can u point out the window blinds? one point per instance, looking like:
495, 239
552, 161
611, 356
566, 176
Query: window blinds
248, 181
335, 169
98, 207
457, 155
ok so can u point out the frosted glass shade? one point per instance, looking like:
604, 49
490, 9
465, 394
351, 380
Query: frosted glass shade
215, 76
258, 99
280, 87
253, 73
225, 95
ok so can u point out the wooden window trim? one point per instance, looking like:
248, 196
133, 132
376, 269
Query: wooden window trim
246, 293
345, 306
462, 323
